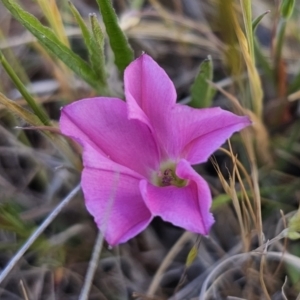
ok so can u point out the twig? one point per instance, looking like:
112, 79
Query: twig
25, 295
37, 233
92, 268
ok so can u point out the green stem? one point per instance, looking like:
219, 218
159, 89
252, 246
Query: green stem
38, 110
279, 44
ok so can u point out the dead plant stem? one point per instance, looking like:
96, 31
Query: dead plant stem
167, 261
37, 233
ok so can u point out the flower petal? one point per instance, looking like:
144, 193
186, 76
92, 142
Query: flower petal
194, 134
206, 130
149, 91
94, 160
187, 207
103, 124
115, 202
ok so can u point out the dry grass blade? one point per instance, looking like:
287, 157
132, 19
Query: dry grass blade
168, 259
25, 294
260, 131
51, 11
231, 192
235, 259
21, 112
37, 233
237, 165
92, 268
282, 289
255, 83
261, 274
262, 137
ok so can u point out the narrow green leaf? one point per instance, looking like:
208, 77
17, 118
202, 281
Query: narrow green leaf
257, 20
10, 220
201, 91
118, 41
280, 36
286, 10
247, 17
262, 60
294, 222
38, 110
293, 235
220, 200
191, 256
48, 39
295, 84
97, 49
84, 29
96, 54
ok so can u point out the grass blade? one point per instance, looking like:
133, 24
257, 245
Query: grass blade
247, 16
19, 111
259, 56
95, 49
84, 295
118, 41
38, 110
247, 50
37, 233
54, 18
257, 20
51, 43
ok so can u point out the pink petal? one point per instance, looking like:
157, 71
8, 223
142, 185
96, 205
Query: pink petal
194, 134
206, 130
93, 159
187, 207
115, 202
149, 91
103, 124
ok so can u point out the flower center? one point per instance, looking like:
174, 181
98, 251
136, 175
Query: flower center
167, 176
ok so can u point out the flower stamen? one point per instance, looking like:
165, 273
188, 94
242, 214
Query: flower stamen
167, 177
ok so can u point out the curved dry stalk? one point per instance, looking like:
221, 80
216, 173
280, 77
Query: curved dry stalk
282, 289
84, 295
261, 274
166, 262
37, 233
288, 258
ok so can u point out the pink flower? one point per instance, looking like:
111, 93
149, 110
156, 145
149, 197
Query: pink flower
138, 154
